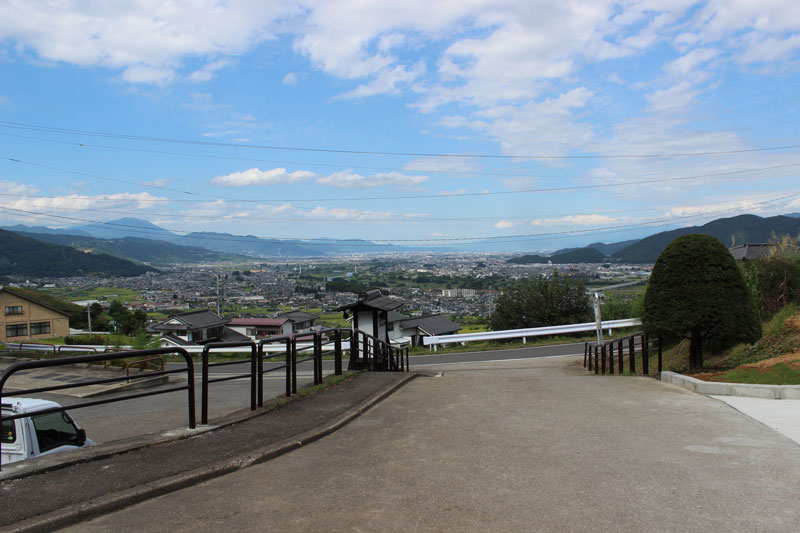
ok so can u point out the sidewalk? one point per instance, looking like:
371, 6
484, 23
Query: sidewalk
533, 445
109, 477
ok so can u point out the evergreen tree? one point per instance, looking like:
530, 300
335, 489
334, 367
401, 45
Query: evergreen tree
697, 292
542, 302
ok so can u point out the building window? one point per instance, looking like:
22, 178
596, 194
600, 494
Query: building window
17, 330
40, 328
251, 332
13, 309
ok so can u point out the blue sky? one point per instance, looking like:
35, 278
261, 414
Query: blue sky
549, 123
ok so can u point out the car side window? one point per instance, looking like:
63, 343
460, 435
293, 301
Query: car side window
55, 429
8, 433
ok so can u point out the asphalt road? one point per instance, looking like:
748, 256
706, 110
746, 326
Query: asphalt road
169, 411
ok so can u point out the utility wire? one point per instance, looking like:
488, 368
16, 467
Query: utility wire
367, 217
52, 129
274, 201
454, 240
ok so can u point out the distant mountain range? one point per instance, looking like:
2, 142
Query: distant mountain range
121, 237
107, 249
21, 255
731, 231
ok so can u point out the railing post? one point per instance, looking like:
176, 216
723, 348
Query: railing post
585, 348
317, 340
337, 352
204, 386
260, 374
596, 359
631, 355
588, 350
645, 354
254, 374
294, 365
603, 357
288, 367
611, 358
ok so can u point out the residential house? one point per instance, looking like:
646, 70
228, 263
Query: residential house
746, 252
196, 328
24, 318
412, 330
261, 328
300, 320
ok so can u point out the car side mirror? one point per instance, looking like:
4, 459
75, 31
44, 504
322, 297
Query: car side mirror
81, 437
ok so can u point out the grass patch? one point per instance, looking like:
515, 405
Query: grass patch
779, 374
781, 336
329, 382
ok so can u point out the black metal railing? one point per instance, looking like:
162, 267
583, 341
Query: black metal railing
599, 357
367, 352
370, 353
49, 363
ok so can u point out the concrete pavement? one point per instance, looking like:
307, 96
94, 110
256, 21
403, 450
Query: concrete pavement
527, 445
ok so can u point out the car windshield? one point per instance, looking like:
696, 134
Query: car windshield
55, 429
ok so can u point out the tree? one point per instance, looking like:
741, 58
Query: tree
696, 292
543, 302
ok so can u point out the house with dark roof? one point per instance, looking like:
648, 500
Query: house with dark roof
414, 329
24, 318
300, 320
196, 328
261, 328
759, 250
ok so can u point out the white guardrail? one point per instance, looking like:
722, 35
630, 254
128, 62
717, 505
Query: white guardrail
528, 332
433, 340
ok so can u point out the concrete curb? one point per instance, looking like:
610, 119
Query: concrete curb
769, 392
112, 502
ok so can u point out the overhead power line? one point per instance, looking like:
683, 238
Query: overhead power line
364, 217
88, 133
273, 201
449, 240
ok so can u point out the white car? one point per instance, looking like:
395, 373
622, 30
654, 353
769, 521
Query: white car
40, 434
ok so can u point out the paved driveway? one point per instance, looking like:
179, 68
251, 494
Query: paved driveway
520, 446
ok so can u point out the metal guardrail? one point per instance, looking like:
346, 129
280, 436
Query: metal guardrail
48, 363
604, 352
528, 332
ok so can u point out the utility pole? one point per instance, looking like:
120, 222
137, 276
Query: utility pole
89, 312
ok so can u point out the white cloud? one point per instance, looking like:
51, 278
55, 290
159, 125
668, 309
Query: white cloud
14, 187
519, 184
505, 224
147, 40
349, 180
453, 165
255, 176
209, 70
77, 202
290, 79
576, 220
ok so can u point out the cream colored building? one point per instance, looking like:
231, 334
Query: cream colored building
25, 319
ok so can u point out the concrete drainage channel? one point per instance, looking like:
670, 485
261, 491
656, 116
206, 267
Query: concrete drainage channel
716, 388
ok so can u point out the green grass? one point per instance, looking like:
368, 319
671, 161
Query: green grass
97, 293
779, 337
780, 374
